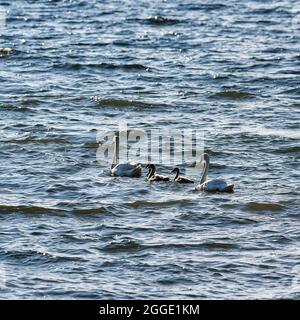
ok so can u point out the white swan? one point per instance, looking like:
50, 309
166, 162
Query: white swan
215, 184
123, 169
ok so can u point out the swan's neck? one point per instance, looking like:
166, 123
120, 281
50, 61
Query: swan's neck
151, 171
116, 152
205, 169
177, 174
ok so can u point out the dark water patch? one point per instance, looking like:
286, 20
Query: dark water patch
264, 11
280, 238
124, 245
264, 207
88, 44
206, 7
44, 141
288, 72
102, 65
14, 108
232, 95
132, 245
287, 150
205, 245
145, 203
124, 103
294, 91
93, 211
30, 102
27, 210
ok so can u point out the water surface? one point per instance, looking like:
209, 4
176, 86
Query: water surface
68, 230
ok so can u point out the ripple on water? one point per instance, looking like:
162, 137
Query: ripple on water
133, 245
102, 65
166, 203
232, 95
124, 103
264, 206
32, 257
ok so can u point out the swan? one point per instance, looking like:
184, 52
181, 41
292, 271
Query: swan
5, 51
215, 184
180, 179
124, 169
152, 176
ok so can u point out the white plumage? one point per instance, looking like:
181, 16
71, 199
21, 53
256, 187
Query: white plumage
214, 185
124, 169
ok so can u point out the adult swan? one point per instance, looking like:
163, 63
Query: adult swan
212, 185
123, 169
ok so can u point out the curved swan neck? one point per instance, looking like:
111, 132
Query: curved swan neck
116, 151
205, 169
151, 170
149, 173
177, 173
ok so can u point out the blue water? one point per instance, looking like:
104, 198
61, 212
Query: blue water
69, 230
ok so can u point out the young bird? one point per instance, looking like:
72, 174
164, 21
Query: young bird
152, 176
180, 179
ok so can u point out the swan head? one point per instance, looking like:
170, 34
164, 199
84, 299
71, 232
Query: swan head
175, 170
205, 157
150, 166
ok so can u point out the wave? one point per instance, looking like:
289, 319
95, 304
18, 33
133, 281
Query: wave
233, 95
37, 141
33, 256
264, 206
203, 6
123, 103
294, 91
133, 245
124, 245
145, 203
42, 210
292, 149
102, 65
25, 209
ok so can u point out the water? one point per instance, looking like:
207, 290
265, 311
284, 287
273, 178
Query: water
68, 230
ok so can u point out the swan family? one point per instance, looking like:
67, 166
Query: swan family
129, 169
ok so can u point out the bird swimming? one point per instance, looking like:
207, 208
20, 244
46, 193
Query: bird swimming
6, 51
124, 169
214, 185
152, 176
180, 179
